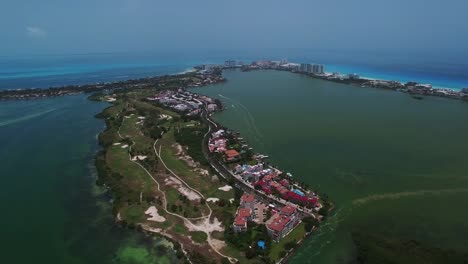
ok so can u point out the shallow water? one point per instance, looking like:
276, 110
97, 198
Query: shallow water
52, 212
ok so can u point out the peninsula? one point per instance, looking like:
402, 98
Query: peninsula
172, 171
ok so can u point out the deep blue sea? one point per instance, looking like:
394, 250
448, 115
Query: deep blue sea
27, 71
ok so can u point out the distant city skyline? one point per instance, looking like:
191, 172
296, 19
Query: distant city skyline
53, 26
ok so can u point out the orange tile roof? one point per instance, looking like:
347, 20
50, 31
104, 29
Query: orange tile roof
231, 153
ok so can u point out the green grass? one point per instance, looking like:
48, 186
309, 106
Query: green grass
134, 214
180, 228
295, 235
131, 129
118, 160
198, 236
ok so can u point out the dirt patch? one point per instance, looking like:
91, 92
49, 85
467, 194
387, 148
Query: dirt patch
180, 153
153, 212
218, 244
182, 189
205, 225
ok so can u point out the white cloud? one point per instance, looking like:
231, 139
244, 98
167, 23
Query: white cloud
36, 32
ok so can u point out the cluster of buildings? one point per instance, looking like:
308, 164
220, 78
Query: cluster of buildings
218, 144
318, 70
254, 173
417, 88
184, 101
427, 89
269, 181
207, 74
233, 64
281, 222
273, 184
273, 65
244, 212
312, 68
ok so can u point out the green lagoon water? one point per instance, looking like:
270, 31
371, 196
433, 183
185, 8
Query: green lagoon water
51, 211
394, 166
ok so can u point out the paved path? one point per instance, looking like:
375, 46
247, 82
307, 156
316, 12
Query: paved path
186, 220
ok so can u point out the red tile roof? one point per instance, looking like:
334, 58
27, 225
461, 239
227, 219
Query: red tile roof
240, 221
279, 223
247, 198
313, 200
284, 182
288, 209
244, 212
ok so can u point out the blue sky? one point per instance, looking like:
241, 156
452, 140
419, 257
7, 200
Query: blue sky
65, 26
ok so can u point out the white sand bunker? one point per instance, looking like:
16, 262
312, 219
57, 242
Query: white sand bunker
231, 200
191, 195
172, 181
203, 172
126, 117
116, 144
212, 199
139, 158
141, 117
225, 188
153, 212
125, 146
163, 116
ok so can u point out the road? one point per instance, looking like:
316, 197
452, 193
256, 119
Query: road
228, 174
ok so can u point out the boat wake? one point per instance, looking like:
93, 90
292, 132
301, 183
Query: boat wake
24, 118
376, 197
249, 118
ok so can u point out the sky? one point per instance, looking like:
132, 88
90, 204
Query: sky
65, 26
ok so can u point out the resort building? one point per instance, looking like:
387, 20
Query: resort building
247, 201
230, 63
244, 213
240, 224
353, 76
232, 155
283, 222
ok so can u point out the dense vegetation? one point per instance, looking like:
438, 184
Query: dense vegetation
191, 137
247, 241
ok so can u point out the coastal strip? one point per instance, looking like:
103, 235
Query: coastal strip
212, 73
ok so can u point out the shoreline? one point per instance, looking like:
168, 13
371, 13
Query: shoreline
415, 89
127, 113
412, 88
